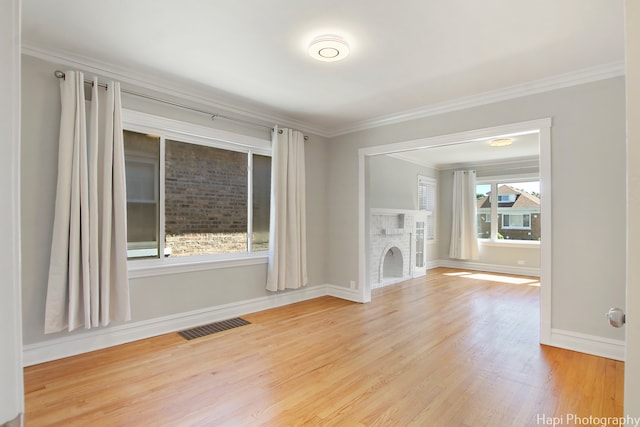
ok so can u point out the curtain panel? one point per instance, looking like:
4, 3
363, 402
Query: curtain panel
464, 236
287, 268
88, 282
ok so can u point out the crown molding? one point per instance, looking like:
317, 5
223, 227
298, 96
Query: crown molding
140, 80
515, 163
407, 158
587, 75
244, 109
505, 164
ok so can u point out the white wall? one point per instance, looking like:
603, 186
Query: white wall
588, 181
151, 297
632, 365
11, 394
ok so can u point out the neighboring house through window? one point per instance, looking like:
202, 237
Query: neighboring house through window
191, 194
515, 207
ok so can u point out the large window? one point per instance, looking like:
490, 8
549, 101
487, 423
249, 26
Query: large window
508, 210
192, 196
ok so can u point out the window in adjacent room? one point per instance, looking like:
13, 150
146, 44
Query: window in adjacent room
515, 206
427, 193
483, 197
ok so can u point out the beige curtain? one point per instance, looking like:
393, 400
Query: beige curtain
287, 267
464, 235
88, 283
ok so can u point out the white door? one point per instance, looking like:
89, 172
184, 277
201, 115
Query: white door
632, 359
420, 243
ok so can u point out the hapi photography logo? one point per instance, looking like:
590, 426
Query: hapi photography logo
577, 420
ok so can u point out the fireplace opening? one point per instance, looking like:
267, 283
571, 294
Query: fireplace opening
392, 264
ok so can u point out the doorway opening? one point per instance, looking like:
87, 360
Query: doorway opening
503, 169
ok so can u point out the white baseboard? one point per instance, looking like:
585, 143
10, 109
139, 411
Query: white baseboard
590, 344
16, 422
583, 343
344, 293
84, 342
434, 263
493, 268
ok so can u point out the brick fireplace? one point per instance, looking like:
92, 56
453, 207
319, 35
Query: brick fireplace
390, 246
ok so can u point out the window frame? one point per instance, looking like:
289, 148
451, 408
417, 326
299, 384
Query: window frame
169, 129
494, 181
429, 181
141, 251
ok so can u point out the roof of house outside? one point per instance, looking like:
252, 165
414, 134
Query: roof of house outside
523, 198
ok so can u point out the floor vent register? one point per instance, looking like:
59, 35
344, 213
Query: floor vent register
212, 328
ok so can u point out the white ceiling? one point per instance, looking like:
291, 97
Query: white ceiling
406, 55
524, 147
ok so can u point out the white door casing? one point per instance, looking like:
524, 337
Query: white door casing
632, 357
11, 388
543, 127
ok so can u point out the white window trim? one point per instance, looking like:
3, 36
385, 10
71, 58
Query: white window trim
195, 134
151, 267
533, 244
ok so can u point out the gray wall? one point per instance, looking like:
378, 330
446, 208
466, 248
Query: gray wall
588, 186
151, 297
393, 183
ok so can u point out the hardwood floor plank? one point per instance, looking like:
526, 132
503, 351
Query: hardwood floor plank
452, 348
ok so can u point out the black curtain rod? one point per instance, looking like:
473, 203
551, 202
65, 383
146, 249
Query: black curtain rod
60, 74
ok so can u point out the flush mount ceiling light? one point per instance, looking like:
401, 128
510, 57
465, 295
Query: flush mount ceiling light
502, 142
328, 48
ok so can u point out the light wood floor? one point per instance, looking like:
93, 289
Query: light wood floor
446, 350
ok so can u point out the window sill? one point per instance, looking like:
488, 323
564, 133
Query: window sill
532, 244
160, 267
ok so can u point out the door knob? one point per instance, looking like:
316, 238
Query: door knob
616, 317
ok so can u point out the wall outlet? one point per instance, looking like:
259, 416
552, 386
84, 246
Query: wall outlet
352, 284
520, 262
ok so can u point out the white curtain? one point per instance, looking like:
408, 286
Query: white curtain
287, 233
464, 236
88, 282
